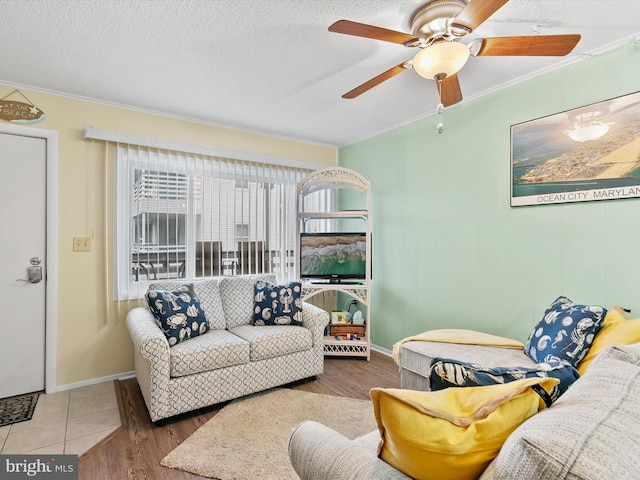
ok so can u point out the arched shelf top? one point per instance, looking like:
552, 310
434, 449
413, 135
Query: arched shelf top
333, 177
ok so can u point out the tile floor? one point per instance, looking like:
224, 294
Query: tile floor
68, 422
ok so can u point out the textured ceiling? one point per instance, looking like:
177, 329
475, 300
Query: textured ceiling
271, 66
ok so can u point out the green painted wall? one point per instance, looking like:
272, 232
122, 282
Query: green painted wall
449, 251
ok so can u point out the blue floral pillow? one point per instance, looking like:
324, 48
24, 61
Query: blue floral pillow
445, 372
277, 304
565, 332
177, 313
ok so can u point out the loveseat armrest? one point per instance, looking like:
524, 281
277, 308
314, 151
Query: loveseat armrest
317, 452
315, 319
152, 360
148, 339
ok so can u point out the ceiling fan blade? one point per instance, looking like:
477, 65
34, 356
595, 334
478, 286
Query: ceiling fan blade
476, 12
450, 92
535, 45
392, 72
369, 31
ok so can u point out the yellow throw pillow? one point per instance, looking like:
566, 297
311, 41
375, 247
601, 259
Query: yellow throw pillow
452, 433
616, 332
614, 316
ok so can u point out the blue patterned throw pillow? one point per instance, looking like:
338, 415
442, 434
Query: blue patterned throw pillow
565, 332
446, 372
277, 304
177, 313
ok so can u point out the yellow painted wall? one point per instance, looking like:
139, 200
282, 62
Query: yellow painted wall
92, 340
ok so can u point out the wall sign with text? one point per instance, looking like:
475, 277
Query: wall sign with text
19, 111
589, 153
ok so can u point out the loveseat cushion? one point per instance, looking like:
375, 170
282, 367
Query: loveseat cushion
590, 433
208, 291
237, 297
274, 341
214, 349
565, 332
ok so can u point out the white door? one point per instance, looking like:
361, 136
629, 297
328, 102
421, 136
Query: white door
23, 185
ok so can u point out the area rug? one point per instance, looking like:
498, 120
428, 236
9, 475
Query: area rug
17, 409
247, 439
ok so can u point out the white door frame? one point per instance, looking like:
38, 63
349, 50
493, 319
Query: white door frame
51, 304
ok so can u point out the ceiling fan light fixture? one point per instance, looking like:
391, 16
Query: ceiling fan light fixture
443, 58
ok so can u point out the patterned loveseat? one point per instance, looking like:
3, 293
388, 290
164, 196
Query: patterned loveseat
234, 358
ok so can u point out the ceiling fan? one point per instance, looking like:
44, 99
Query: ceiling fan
438, 28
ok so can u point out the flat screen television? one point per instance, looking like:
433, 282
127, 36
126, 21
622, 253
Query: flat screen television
337, 257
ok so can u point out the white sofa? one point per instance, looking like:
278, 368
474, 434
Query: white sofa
231, 360
589, 433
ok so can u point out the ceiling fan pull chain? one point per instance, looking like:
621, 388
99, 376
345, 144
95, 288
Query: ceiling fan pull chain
439, 78
440, 107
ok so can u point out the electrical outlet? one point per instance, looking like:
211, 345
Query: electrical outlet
81, 244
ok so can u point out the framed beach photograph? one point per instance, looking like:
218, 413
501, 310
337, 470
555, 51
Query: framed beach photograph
585, 154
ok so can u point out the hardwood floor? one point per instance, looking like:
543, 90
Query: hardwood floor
135, 450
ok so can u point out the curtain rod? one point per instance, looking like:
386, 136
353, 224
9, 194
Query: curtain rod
94, 133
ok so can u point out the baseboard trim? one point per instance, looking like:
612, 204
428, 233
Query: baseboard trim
382, 350
94, 381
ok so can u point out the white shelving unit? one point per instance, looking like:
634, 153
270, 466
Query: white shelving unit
340, 178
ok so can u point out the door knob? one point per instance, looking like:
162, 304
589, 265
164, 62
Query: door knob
34, 272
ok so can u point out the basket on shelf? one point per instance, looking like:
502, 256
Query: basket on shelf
336, 330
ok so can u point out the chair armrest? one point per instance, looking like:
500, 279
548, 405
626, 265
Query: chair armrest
317, 452
315, 319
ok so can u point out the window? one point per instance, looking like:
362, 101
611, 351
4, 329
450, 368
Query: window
180, 215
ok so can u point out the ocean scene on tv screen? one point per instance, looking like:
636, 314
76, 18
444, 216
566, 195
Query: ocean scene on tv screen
322, 256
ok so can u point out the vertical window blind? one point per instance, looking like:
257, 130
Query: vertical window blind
184, 215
